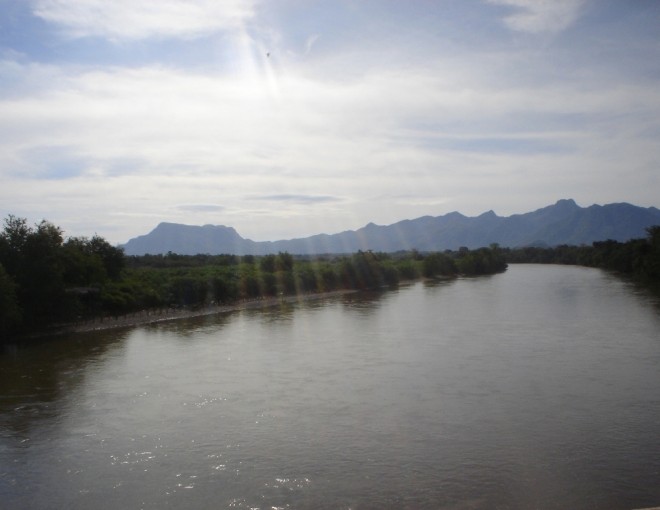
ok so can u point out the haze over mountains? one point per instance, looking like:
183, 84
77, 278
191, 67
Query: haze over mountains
565, 222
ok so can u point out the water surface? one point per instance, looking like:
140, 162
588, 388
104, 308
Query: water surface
536, 388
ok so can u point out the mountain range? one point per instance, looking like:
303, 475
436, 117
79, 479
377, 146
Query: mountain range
564, 222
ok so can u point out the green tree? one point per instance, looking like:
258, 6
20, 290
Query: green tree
112, 258
649, 266
284, 262
267, 263
438, 264
224, 289
41, 278
12, 243
52, 279
81, 266
10, 312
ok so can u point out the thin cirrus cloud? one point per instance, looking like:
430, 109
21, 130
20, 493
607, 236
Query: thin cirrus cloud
133, 20
205, 208
537, 16
305, 199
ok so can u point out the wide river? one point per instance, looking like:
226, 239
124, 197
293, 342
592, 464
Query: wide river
537, 388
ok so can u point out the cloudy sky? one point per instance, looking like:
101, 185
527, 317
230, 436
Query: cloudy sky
286, 118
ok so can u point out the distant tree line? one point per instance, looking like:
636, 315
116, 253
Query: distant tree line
46, 279
638, 258
197, 280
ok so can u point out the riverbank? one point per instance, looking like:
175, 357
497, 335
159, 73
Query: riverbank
145, 317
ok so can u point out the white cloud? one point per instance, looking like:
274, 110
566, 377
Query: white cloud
142, 19
538, 16
146, 140
373, 128
310, 42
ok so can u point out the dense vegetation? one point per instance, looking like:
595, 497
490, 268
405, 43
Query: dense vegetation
638, 258
46, 279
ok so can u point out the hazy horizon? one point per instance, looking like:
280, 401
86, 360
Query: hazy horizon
288, 119
363, 225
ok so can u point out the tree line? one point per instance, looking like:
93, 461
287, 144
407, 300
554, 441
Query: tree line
47, 279
637, 258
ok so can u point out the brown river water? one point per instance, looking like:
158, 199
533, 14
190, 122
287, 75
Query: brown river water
535, 388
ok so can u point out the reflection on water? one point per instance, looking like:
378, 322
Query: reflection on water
33, 380
537, 388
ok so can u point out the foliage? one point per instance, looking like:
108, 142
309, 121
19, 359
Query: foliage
439, 264
45, 279
481, 261
639, 258
10, 315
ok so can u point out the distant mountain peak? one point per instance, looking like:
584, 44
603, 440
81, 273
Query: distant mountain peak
564, 222
567, 203
488, 214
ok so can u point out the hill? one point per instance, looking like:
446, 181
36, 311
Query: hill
564, 222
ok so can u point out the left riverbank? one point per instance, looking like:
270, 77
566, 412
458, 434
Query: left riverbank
163, 315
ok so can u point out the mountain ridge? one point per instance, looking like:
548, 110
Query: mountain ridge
563, 222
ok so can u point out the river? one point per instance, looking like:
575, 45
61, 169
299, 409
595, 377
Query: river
535, 388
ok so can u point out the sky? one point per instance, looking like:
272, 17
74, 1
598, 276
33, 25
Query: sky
288, 118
